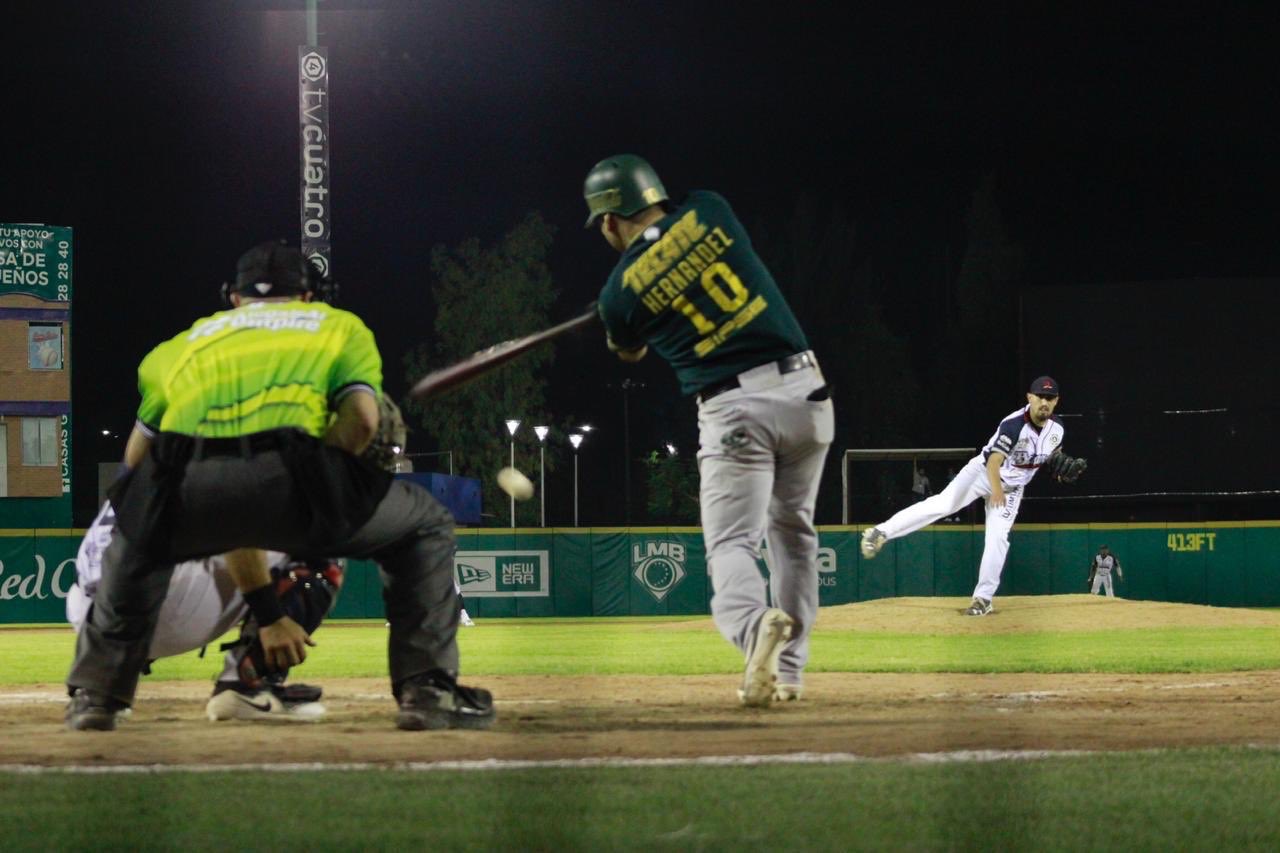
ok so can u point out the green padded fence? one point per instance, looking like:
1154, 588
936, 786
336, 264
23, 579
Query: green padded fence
662, 570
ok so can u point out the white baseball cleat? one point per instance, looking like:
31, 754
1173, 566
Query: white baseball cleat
231, 701
787, 692
762, 660
979, 607
467, 621
873, 540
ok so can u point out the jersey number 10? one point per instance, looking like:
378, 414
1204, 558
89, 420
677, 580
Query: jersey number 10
723, 285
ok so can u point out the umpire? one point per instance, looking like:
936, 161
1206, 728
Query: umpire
247, 438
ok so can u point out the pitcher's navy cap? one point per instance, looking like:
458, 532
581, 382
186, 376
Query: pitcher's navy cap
1044, 386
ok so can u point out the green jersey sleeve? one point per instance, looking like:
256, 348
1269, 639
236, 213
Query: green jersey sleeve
615, 312
359, 365
151, 385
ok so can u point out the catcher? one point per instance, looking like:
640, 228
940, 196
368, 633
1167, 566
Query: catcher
1025, 441
203, 603
1100, 571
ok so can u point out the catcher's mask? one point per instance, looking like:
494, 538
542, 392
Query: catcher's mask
275, 268
624, 184
387, 448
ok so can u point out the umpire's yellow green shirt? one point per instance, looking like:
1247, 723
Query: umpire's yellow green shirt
262, 366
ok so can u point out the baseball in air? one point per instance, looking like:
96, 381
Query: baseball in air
515, 484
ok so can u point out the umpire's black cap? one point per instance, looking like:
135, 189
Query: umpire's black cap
273, 268
1044, 386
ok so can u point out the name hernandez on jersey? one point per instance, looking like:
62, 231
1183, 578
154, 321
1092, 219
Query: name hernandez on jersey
692, 288
1024, 445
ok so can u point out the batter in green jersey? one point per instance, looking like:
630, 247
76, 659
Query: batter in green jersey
690, 286
249, 437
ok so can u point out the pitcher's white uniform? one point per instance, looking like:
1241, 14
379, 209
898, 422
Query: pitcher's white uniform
1102, 566
201, 606
1025, 448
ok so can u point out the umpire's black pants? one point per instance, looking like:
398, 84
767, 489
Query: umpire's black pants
228, 502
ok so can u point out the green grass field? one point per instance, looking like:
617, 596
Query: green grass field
665, 646
1171, 799
1219, 799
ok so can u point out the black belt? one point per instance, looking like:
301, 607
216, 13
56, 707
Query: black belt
790, 364
244, 445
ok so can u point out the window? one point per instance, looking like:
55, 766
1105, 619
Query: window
44, 346
40, 441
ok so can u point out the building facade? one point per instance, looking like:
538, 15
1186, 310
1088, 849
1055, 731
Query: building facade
36, 272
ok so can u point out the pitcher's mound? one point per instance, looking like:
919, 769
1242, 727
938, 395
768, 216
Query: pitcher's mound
1031, 613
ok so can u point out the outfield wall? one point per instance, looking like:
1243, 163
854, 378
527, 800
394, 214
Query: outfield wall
662, 570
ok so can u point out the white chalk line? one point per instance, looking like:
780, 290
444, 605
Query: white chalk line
964, 756
35, 698
31, 698
1042, 695
61, 698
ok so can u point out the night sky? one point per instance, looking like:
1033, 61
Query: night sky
1126, 145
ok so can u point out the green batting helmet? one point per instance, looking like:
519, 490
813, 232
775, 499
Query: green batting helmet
625, 184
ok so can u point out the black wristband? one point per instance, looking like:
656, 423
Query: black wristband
264, 604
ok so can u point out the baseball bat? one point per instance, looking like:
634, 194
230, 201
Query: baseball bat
485, 360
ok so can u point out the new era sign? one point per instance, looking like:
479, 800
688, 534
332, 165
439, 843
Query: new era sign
503, 574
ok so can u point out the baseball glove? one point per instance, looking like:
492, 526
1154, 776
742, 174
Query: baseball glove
1066, 469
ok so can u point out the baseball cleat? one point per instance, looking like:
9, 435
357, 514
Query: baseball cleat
93, 712
873, 540
787, 692
437, 701
295, 703
762, 660
979, 607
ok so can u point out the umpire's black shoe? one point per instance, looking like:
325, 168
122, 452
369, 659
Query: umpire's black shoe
92, 711
437, 701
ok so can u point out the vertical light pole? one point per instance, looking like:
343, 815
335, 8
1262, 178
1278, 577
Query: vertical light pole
575, 439
512, 426
541, 432
314, 146
312, 34
627, 385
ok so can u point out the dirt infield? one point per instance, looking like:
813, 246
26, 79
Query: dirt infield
549, 717
1025, 614
557, 717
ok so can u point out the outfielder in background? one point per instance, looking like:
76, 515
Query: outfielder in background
690, 285
1100, 571
1024, 441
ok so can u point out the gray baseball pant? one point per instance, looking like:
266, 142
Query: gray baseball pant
760, 459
